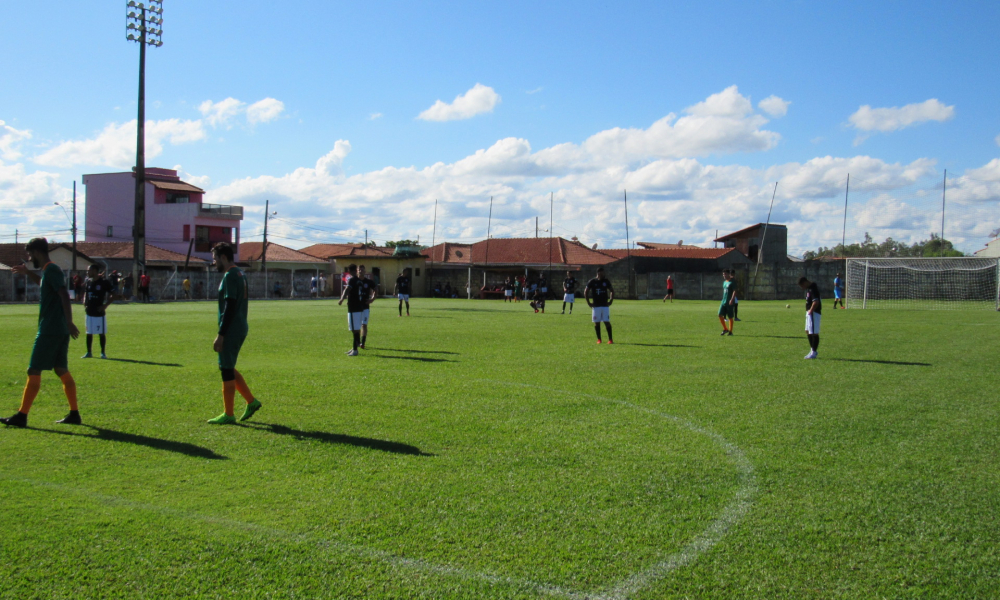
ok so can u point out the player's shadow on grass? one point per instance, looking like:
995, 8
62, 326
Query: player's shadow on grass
779, 337
414, 351
656, 345
418, 358
145, 362
884, 362
468, 309
340, 438
111, 435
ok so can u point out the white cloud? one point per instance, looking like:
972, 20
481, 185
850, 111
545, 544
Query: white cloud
375, 116
221, 112
114, 146
534, 91
264, 111
478, 100
774, 106
10, 138
892, 119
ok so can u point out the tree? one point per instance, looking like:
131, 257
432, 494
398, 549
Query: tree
393, 244
890, 248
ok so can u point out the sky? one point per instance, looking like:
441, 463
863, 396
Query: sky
355, 118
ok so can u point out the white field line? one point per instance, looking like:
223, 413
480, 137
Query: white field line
704, 541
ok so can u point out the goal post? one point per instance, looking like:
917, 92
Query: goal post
923, 283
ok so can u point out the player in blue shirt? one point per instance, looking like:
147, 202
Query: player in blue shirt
838, 291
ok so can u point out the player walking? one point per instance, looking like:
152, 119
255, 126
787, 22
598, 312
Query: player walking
726, 310
670, 289
838, 291
369, 290
233, 331
55, 327
599, 295
96, 300
356, 305
402, 291
569, 292
814, 309
518, 286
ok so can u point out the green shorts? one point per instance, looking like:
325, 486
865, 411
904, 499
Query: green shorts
726, 311
50, 352
231, 345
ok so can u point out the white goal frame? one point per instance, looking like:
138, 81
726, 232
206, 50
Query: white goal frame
923, 283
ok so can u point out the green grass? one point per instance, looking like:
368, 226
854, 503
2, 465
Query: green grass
478, 450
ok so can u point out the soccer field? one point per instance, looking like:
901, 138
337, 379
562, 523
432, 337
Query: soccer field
479, 450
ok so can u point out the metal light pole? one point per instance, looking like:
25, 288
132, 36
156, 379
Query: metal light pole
143, 24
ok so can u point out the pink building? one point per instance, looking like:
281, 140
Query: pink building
175, 213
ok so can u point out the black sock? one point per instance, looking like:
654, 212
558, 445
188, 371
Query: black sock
564, 307
363, 338
104, 343
736, 311
357, 339
407, 308
90, 342
401, 309
607, 325
816, 343
597, 328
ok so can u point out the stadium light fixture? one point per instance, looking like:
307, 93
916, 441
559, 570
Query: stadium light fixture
140, 17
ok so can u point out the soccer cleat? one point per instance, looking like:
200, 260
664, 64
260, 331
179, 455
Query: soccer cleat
222, 419
611, 341
73, 418
724, 332
730, 332
87, 355
563, 312
598, 341
18, 419
352, 353
737, 320
250, 409
536, 310
811, 355
103, 355
362, 347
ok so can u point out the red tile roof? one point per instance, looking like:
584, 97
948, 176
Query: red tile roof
659, 246
124, 251
14, 254
684, 252
328, 251
518, 251
745, 230
251, 251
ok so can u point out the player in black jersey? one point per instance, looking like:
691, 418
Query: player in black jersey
402, 291
354, 293
96, 300
569, 292
370, 291
603, 294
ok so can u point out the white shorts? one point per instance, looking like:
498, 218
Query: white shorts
812, 324
97, 325
508, 293
364, 316
404, 297
355, 321
602, 314
569, 298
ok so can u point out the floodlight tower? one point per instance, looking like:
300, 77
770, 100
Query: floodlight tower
143, 24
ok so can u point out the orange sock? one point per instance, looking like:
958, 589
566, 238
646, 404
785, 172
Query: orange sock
69, 386
731, 322
228, 395
723, 321
30, 391
243, 388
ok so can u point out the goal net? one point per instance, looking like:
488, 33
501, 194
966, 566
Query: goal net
923, 283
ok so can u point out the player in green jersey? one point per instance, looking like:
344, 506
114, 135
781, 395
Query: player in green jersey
55, 326
232, 332
726, 310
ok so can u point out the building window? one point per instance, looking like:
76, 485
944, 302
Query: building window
175, 198
206, 236
111, 231
187, 233
418, 272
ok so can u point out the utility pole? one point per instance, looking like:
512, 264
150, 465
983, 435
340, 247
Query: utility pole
147, 20
74, 225
944, 191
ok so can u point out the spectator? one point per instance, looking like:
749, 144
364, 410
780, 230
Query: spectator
127, 286
187, 288
277, 289
322, 284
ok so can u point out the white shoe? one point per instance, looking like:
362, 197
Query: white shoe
352, 352
812, 355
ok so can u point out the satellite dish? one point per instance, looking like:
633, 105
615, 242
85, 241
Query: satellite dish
594, 247
680, 242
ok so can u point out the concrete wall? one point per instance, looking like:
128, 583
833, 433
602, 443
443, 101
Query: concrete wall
779, 281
